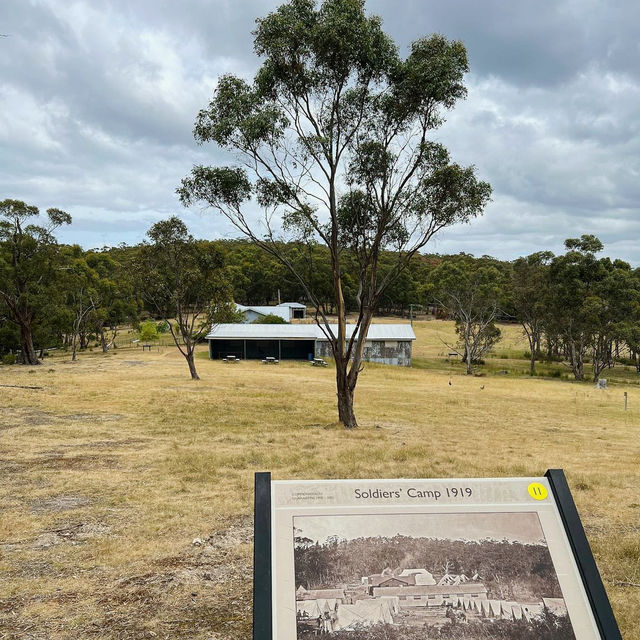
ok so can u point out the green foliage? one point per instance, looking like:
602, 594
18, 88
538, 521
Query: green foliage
29, 269
225, 312
9, 358
162, 326
591, 303
270, 318
472, 292
182, 279
148, 331
584, 244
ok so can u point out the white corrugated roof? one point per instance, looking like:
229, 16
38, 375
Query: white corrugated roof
383, 331
263, 331
282, 312
304, 332
297, 305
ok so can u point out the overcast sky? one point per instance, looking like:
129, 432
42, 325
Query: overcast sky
98, 100
515, 527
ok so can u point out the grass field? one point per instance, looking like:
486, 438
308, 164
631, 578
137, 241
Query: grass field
113, 468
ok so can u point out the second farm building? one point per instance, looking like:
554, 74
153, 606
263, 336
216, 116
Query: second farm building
385, 343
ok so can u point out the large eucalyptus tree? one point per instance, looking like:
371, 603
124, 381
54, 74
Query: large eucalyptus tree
331, 141
29, 268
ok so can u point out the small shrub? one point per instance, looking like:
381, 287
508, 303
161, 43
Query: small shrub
148, 331
9, 358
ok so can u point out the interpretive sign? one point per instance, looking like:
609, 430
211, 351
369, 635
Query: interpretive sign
412, 559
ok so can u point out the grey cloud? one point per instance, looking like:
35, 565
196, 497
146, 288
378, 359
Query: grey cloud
97, 103
527, 43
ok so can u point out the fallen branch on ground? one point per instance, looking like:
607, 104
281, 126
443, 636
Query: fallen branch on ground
19, 386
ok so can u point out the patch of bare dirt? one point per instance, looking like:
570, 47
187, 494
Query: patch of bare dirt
59, 503
182, 594
14, 418
74, 534
93, 417
58, 461
179, 598
132, 443
8, 466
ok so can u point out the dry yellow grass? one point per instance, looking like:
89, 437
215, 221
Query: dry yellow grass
113, 468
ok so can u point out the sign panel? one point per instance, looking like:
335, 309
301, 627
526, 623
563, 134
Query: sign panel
397, 558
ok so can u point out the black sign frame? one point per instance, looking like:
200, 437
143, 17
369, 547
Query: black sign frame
262, 561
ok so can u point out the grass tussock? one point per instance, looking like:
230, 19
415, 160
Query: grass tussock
113, 468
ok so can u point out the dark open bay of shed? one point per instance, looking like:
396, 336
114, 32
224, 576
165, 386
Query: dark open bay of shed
260, 349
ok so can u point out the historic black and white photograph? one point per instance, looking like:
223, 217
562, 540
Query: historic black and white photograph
463, 576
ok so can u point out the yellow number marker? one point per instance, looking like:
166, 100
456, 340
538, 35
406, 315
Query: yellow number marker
537, 491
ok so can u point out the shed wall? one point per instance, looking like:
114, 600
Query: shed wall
394, 352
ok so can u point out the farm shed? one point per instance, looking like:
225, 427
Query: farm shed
386, 343
297, 311
287, 311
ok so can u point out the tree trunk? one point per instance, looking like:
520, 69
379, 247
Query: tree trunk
192, 365
28, 354
346, 414
531, 337
103, 340
467, 347
532, 365
577, 364
74, 342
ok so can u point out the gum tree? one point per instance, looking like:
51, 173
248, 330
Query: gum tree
471, 291
182, 280
28, 268
529, 297
332, 144
593, 304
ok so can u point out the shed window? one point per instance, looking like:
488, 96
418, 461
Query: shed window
391, 344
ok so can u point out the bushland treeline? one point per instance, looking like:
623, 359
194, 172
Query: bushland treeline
509, 570
576, 307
